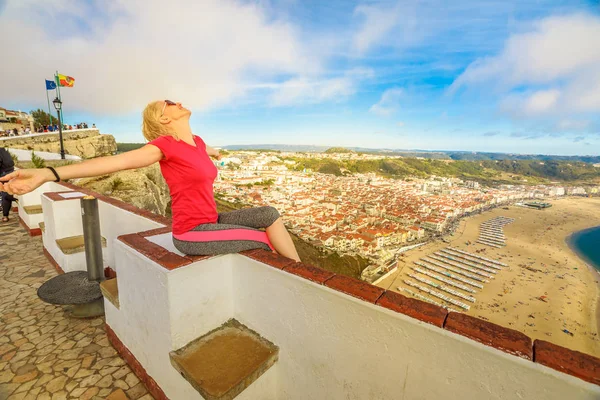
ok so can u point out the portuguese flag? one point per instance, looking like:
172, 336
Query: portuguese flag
65, 81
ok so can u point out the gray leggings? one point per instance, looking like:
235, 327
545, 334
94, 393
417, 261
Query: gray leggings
234, 231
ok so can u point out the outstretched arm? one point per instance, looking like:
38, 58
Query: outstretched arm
25, 180
213, 152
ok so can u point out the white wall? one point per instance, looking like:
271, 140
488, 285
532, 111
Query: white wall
31, 220
33, 198
200, 298
67, 218
114, 222
143, 315
49, 236
333, 346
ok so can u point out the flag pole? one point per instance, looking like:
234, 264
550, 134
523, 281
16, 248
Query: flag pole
49, 113
58, 91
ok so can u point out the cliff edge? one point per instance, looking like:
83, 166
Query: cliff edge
85, 143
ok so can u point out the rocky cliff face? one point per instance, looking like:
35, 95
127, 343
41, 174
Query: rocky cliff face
144, 188
85, 143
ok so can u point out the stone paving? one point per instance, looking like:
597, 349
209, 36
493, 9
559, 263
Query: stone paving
44, 354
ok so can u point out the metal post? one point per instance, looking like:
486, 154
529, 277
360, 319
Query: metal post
92, 238
62, 149
49, 113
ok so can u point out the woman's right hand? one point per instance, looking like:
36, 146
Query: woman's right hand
25, 180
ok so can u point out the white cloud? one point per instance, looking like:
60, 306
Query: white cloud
535, 103
309, 90
388, 24
557, 47
557, 60
377, 23
574, 125
201, 53
389, 102
542, 101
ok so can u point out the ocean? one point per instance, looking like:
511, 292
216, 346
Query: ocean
587, 244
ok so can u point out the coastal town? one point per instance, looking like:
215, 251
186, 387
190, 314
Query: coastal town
496, 253
365, 214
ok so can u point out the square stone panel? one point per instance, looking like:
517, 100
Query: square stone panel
35, 209
74, 244
110, 291
225, 361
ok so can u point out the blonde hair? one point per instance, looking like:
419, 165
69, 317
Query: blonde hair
152, 128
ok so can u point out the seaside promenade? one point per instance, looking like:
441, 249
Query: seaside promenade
44, 354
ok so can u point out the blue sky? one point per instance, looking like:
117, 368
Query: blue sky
506, 76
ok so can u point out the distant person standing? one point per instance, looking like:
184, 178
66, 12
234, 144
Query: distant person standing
7, 166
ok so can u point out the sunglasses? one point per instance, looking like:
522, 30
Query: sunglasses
167, 103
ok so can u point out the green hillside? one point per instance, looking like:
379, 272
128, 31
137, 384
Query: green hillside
489, 171
123, 147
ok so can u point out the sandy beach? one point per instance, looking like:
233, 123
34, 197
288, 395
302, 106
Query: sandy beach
540, 263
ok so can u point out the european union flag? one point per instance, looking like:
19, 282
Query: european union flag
50, 85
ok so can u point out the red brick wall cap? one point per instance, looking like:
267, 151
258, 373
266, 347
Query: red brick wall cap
154, 232
499, 337
356, 288
157, 253
171, 261
143, 245
414, 308
310, 272
583, 366
56, 196
269, 258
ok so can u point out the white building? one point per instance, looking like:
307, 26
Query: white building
577, 191
556, 191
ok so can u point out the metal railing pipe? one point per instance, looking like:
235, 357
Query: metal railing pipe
92, 238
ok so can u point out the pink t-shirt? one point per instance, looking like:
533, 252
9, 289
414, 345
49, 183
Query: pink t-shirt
190, 174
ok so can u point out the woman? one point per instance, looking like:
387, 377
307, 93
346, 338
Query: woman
184, 161
7, 166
